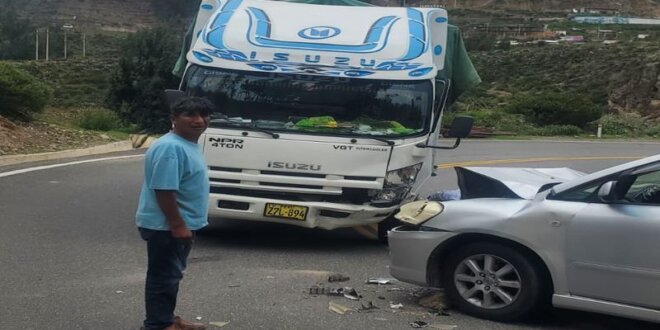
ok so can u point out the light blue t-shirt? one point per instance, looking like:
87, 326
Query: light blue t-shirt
174, 163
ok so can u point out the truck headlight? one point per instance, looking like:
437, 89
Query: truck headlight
419, 212
397, 185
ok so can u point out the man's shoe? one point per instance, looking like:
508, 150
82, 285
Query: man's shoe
187, 325
174, 326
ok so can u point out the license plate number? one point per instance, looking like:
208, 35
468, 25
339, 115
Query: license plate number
285, 211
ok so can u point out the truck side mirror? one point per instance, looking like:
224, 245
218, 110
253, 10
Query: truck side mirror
170, 96
460, 128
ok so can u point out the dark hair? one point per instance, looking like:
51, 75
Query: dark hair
192, 104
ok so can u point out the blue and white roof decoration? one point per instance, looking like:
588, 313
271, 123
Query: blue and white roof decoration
358, 42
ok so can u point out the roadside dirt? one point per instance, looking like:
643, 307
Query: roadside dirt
36, 137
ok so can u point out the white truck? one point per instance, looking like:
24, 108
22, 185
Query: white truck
326, 116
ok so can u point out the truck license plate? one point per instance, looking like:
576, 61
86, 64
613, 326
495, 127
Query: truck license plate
285, 211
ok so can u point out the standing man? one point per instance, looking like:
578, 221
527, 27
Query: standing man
173, 205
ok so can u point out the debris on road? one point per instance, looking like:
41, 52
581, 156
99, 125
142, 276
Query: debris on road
380, 280
368, 308
198, 318
234, 286
381, 298
443, 326
434, 300
394, 289
396, 306
419, 324
218, 324
350, 293
338, 308
119, 292
346, 292
338, 278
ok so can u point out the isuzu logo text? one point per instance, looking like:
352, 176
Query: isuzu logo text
295, 166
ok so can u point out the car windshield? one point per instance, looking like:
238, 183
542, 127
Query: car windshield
313, 104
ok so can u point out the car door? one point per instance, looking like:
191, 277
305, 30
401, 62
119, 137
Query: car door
612, 248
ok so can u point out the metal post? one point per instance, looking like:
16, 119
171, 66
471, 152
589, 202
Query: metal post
47, 45
65, 44
599, 133
84, 44
36, 45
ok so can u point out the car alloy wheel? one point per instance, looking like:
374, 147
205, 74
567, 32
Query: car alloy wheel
487, 281
495, 281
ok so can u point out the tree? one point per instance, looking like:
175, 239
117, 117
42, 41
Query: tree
144, 72
21, 95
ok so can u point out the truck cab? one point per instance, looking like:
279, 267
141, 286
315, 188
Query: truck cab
325, 116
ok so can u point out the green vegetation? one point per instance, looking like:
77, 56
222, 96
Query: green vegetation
101, 120
527, 87
16, 36
21, 95
143, 73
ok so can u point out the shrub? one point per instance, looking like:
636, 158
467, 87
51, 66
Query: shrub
623, 124
21, 95
556, 108
102, 120
556, 130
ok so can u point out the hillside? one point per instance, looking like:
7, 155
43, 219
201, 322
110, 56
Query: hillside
130, 15
625, 77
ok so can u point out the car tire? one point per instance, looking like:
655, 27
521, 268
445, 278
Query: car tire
492, 293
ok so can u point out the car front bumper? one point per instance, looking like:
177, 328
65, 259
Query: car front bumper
319, 214
410, 250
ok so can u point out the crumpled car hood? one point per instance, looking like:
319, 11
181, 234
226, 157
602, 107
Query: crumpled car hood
510, 182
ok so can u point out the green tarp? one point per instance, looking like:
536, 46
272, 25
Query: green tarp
458, 66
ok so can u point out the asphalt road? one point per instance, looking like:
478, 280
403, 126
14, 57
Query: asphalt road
71, 257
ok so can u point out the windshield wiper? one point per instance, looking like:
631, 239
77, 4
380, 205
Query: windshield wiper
389, 142
243, 124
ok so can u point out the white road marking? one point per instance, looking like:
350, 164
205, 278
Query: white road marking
46, 167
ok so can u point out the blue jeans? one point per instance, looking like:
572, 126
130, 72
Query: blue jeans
167, 261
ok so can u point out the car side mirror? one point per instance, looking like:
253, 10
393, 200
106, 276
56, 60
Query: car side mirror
607, 192
460, 128
170, 96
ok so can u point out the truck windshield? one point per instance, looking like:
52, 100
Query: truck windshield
313, 104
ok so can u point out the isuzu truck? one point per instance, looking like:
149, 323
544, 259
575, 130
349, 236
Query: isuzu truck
326, 116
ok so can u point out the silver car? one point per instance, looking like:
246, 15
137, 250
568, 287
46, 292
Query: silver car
521, 238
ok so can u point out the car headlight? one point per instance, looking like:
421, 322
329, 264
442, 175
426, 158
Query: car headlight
397, 185
416, 213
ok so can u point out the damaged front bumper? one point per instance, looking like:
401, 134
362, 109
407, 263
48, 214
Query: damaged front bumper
319, 214
410, 250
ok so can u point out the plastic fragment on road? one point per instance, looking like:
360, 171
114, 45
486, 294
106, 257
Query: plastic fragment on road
443, 326
396, 306
119, 292
380, 280
219, 324
346, 292
419, 324
198, 318
338, 308
350, 293
338, 278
